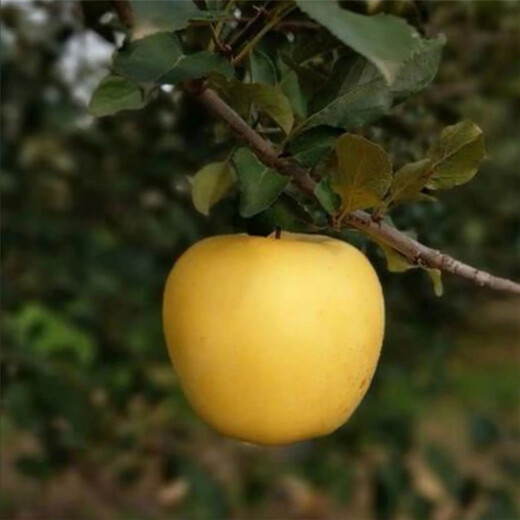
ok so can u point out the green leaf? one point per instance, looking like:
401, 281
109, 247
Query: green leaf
436, 278
409, 180
453, 160
266, 98
349, 71
309, 78
210, 184
259, 185
290, 86
385, 40
152, 16
420, 69
364, 172
197, 65
160, 58
424, 197
327, 197
149, 58
308, 148
356, 93
395, 261
263, 69
302, 54
114, 94
456, 156
306, 49
360, 105
270, 100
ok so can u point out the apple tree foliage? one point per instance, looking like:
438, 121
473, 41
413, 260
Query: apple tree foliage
312, 95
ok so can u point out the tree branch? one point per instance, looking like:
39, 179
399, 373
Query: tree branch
414, 251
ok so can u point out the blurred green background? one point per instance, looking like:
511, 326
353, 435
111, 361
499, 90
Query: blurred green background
95, 212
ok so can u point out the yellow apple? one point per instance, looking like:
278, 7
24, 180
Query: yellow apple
274, 340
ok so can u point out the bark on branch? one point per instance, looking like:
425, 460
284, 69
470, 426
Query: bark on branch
414, 251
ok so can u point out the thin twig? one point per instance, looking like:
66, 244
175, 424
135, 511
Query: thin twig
251, 21
291, 24
281, 26
414, 251
244, 52
215, 42
220, 25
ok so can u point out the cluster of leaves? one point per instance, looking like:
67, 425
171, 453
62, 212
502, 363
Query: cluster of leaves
350, 73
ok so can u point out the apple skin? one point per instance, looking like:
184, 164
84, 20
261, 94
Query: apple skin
274, 340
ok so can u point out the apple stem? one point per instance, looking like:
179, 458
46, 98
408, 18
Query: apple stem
278, 232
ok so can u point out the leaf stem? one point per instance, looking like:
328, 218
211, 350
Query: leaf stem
215, 32
260, 10
248, 47
215, 41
